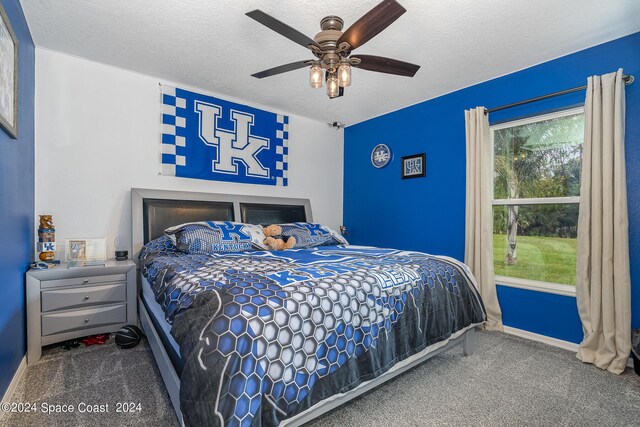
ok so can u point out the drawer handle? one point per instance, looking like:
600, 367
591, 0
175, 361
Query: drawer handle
85, 281
86, 320
86, 297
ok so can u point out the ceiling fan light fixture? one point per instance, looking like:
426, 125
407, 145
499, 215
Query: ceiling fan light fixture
332, 47
333, 88
344, 73
315, 75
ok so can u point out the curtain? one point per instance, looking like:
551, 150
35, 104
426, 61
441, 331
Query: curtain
603, 285
478, 245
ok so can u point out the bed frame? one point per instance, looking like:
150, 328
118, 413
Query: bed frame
154, 210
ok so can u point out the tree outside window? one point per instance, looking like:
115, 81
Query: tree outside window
537, 166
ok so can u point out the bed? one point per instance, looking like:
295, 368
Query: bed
281, 337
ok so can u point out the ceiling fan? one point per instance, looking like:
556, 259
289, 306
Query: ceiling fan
332, 48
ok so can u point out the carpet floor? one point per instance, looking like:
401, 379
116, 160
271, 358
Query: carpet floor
509, 381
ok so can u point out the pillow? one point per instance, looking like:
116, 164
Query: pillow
216, 237
159, 246
309, 235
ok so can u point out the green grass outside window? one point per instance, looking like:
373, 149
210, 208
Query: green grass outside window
546, 259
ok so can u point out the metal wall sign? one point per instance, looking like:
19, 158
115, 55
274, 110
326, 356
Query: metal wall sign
209, 138
381, 156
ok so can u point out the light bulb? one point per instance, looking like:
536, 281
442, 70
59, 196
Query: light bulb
344, 73
315, 75
332, 85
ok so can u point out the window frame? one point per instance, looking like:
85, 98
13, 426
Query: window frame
517, 282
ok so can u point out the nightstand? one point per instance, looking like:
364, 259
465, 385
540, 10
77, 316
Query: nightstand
65, 303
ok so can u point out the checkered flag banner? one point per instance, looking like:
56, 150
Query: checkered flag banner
208, 138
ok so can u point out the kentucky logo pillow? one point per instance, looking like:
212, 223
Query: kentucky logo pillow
309, 235
216, 236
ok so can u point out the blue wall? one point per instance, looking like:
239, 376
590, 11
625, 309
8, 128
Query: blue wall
16, 204
375, 200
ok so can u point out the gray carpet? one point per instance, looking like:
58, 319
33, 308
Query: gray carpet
99, 374
508, 382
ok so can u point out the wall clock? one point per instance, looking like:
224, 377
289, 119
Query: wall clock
380, 156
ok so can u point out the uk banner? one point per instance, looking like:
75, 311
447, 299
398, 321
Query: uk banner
209, 138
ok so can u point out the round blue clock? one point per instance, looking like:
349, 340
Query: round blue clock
380, 156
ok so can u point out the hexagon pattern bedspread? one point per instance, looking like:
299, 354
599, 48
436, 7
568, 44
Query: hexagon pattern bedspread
266, 335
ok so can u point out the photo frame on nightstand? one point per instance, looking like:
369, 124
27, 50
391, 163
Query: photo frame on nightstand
86, 252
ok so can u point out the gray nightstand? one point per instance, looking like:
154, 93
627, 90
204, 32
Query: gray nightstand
65, 303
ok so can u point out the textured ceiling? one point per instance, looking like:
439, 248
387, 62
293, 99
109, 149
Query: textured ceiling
212, 45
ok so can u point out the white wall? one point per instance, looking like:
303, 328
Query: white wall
97, 136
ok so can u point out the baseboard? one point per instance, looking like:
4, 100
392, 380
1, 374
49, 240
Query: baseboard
567, 345
16, 379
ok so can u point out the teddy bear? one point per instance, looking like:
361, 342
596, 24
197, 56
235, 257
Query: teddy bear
46, 222
275, 241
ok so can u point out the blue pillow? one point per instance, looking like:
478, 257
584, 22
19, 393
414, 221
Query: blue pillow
309, 235
216, 237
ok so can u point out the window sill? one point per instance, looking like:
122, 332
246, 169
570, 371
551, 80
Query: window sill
534, 285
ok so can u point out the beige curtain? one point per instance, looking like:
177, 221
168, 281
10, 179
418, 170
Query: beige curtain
603, 287
478, 245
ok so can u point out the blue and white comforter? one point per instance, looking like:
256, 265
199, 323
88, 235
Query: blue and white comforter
265, 335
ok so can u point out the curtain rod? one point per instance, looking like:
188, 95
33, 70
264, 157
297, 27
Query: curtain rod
628, 79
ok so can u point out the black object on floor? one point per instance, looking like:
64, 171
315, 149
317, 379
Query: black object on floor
70, 344
128, 336
636, 363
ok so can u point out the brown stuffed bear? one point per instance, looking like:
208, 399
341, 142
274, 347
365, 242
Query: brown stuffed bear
275, 241
46, 222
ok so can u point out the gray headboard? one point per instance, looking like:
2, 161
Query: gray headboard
152, 211
159, 214
265, 214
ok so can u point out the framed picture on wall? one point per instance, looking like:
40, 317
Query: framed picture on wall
413, 166
8, 76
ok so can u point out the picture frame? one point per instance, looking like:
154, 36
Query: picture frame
85, 252
8, 76
414, 166
77, 250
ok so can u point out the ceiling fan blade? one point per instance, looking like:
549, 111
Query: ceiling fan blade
281, 69
372, 23
281, 28
386, 65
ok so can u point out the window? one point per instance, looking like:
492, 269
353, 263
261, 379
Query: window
536, 171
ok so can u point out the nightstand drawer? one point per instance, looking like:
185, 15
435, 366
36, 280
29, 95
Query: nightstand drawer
58, 299
90, 280
80, 319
